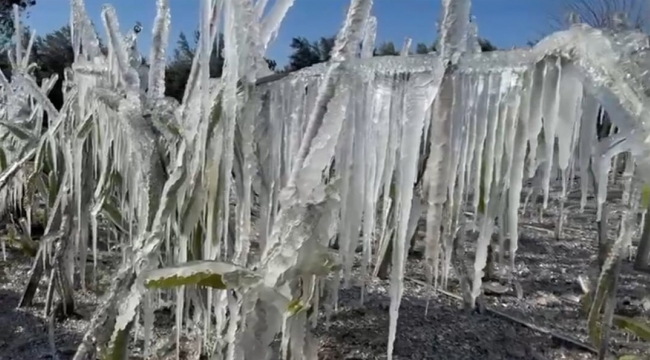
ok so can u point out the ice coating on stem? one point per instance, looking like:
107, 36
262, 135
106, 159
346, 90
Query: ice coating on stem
323, 152
271, 23
159, 43
369, 35
454, 29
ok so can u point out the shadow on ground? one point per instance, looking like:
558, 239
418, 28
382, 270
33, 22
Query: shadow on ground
24, 334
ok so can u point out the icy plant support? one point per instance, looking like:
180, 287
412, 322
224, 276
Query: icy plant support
228, 202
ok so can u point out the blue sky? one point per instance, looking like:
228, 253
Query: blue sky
505, 23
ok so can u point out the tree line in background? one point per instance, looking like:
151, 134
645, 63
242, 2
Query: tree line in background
53, 52
306, 53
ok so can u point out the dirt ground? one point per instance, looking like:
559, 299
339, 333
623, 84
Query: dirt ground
548, 270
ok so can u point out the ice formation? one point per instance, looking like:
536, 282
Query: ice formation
353, 151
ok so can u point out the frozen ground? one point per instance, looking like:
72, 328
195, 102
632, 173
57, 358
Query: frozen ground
549, 270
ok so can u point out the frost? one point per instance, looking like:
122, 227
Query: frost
232, 198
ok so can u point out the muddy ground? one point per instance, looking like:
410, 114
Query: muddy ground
548, 271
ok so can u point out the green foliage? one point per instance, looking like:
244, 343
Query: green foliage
645, 196
422, 48
386, 49
486, 45
637, 327
295, 306
306, 53
592, 303
18, 131
22, 242
597, 304
117, 349
213, 274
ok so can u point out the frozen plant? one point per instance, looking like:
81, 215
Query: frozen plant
228, 201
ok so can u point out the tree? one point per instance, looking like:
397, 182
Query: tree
5, 64
179, 68
387, 48
271, 64
604, 13
422, 48
7, 17
306, 53
486, 45
54, 53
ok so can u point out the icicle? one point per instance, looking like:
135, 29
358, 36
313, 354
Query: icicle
372, 111
535, 121
476, 90
627, 177
392, 135
569, 111
489, 192
458, 115
486, 85
518, 162
550, 111
234, 13
406, 47
436, 174
503, 110
348, 168
487, 176
148, 317
234, 319
457, 118
603, 166
587, 139
419, 96
473, 45
517, 91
